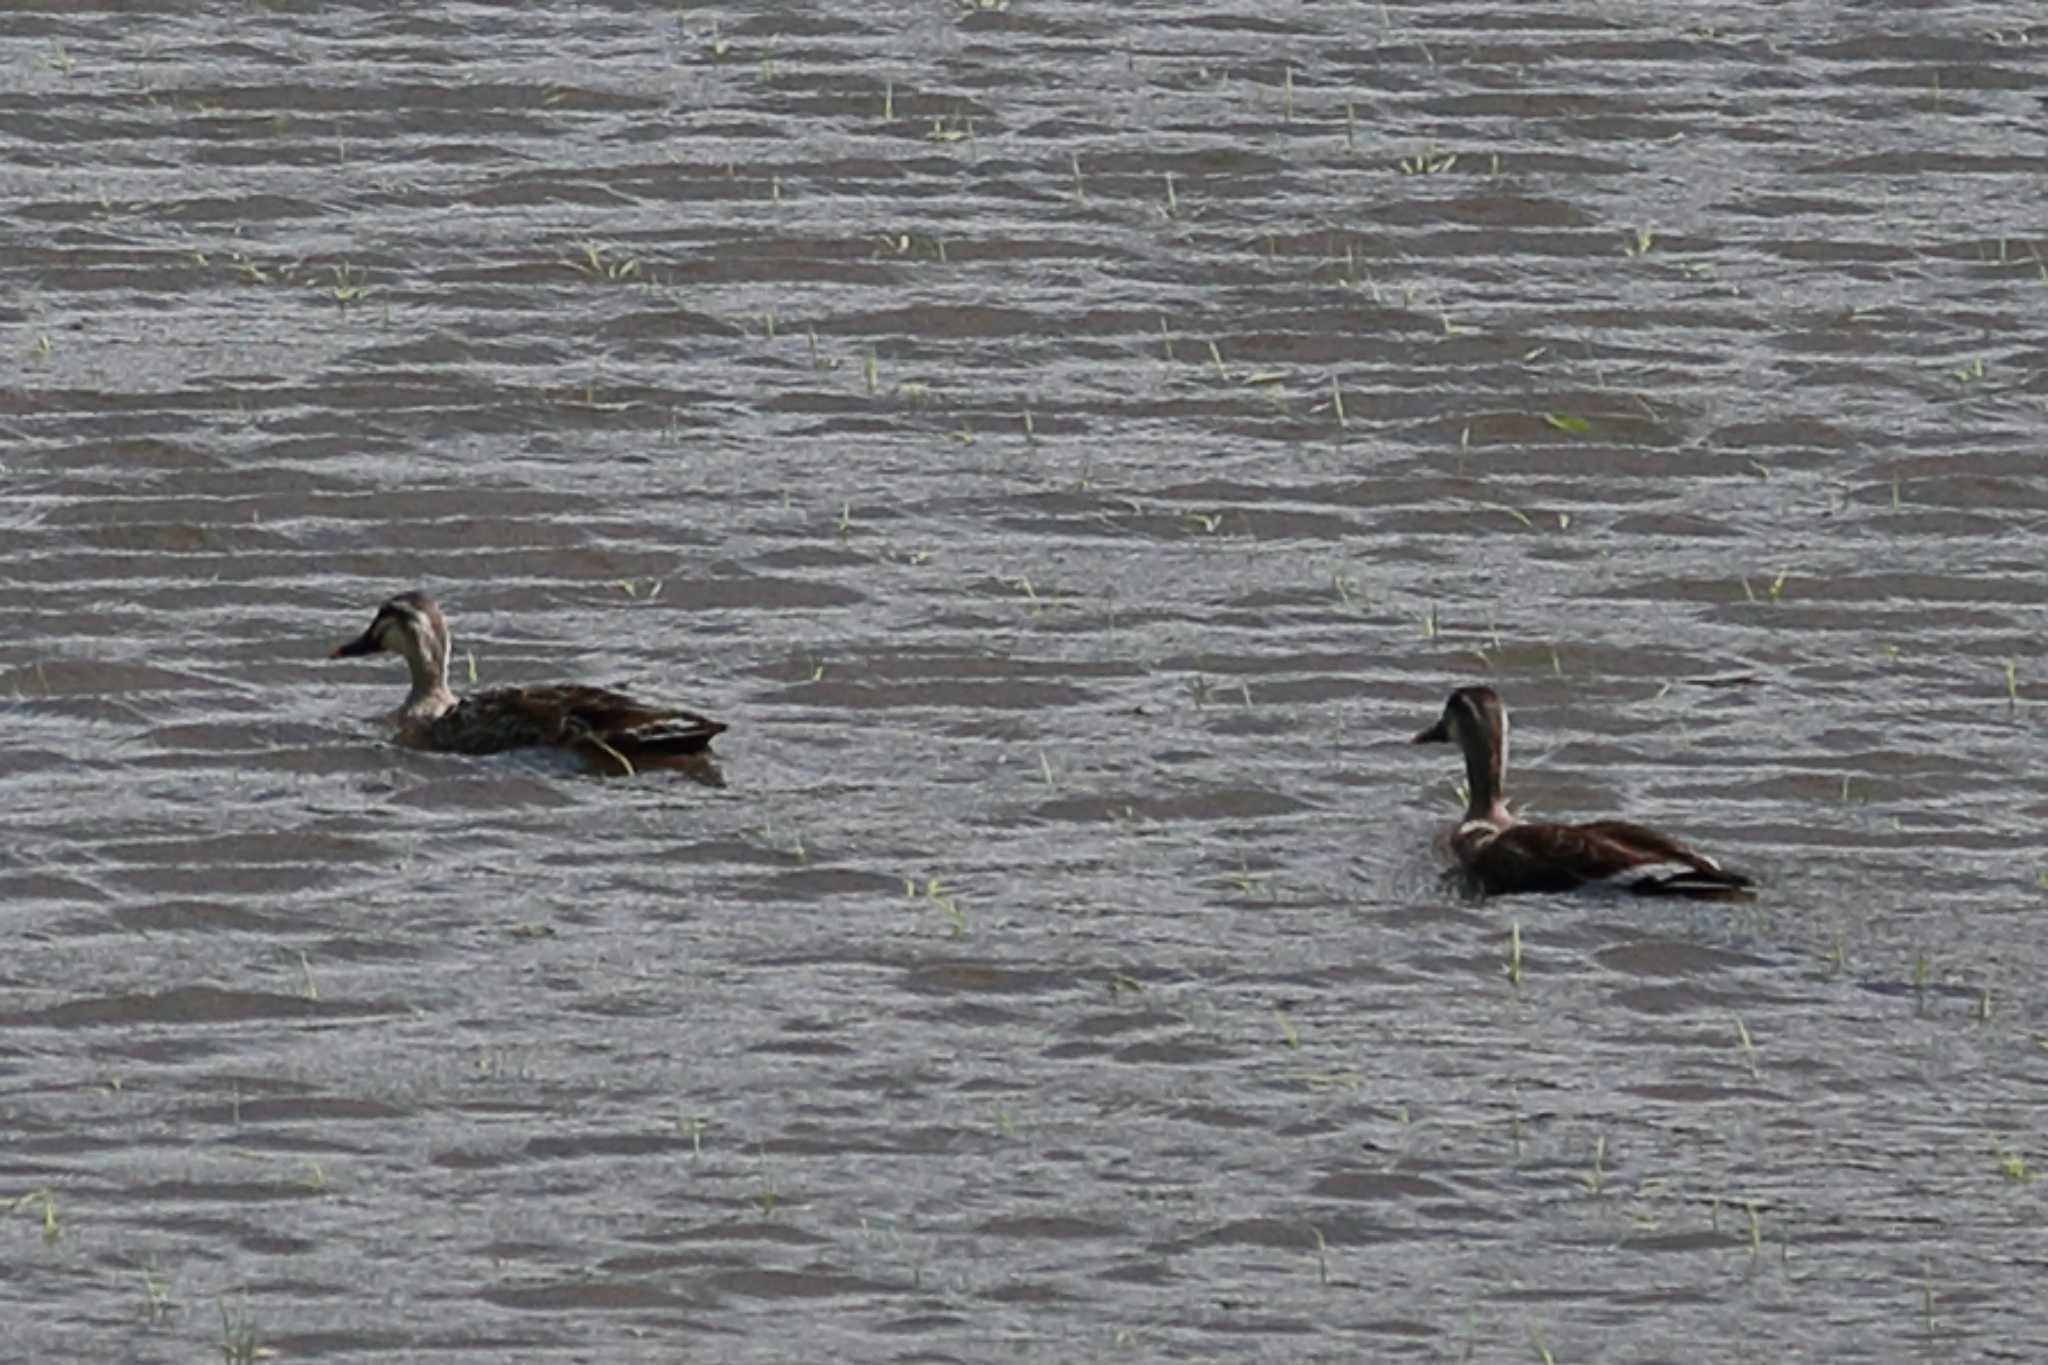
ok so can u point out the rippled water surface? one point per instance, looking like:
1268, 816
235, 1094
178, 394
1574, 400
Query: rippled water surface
1074, 445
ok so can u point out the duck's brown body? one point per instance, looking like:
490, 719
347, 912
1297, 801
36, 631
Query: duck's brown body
1500, 855
611, 731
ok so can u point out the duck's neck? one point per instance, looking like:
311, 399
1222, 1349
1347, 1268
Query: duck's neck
1486, 772
427, 660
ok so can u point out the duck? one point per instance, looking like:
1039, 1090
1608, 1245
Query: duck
610, 731
1501, 855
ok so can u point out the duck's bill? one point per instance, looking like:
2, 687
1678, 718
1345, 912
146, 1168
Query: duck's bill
1438, 733
362, 644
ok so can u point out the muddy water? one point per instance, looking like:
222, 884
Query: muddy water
1074, 445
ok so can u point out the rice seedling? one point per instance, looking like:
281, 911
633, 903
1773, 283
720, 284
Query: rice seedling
1427, 163
1639, 242
1514, 952
1350, 127
1756, 1231
1984, 1005
1030, 429
1595, 1179
156, 1296
871, 371
1749, 1052
935, 893
1895, 492
1045, 768
1577, 426
1337, 402
1322, 1256
1289, 1034
626, 768
46, 1203
596, 264
1074, 164
1430, 629
1542, 1351
888, 101
348, 285
307, 987
1287, 95
2013, 1166
1216, 358
1166, 340
238, 1343
1970, 373
1172, 198
2012, 685
694, 1126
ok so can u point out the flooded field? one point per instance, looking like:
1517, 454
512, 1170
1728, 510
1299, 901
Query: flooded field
1074, 446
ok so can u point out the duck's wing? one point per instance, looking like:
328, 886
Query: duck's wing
1615, 853
1659, 865
574, 714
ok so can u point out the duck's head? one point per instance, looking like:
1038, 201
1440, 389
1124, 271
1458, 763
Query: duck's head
409, 625
1473, 718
